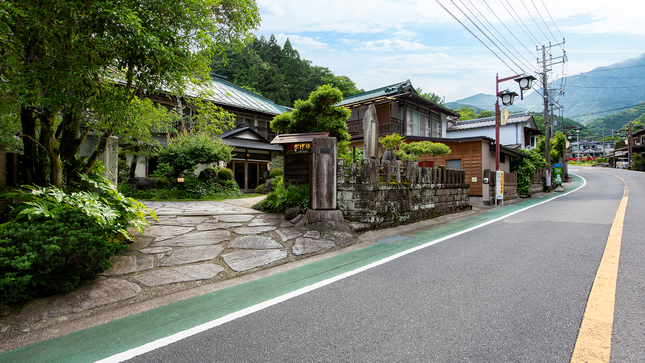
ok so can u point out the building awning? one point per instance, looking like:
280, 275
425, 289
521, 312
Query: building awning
297, 138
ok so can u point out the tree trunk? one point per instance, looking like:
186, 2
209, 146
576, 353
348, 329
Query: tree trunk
28, 123
91, 162
50, 144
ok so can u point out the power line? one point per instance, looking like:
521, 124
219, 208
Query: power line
611, 69
529, 34
608, 87
509, 30
536, 23
473, 34
614, 109
541, 18
547, 10
519, 56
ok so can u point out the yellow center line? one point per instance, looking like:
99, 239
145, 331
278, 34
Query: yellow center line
594, 338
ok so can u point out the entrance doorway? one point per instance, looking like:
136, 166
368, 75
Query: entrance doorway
248, 175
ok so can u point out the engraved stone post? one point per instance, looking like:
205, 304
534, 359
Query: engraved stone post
388, 170
370, 133
323, 178
340, 171
353, 172
369, 174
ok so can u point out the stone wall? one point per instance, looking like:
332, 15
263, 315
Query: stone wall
382, 197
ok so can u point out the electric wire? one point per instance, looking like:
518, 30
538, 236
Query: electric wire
489, 39
556, 25
529, 34
536, 23
518, 57
509, 30
473, 34
542, 18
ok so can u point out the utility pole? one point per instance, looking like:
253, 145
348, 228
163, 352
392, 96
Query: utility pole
545, 64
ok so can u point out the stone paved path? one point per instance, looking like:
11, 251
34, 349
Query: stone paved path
191, 244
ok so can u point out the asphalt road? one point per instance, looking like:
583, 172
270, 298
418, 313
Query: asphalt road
511, 291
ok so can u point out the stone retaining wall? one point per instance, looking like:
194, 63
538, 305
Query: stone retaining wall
382, 197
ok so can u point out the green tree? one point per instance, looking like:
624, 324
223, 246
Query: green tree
411, 151
466, 113
318, 113
430, 96
485, 113
70, 65
189, 149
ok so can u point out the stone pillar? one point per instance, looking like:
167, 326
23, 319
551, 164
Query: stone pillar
340, 171
370, 171
323, 176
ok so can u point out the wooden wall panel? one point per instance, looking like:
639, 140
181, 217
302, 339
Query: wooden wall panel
470, 154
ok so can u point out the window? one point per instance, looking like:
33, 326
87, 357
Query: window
453, 164
532, 141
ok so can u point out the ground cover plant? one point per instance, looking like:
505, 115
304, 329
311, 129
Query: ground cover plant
55, 238
211, 184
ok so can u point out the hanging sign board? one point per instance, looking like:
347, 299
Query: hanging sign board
504, 117
499, 185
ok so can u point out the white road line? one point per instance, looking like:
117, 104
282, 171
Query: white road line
261, 306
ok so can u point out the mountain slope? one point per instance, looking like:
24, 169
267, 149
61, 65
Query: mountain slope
588, 96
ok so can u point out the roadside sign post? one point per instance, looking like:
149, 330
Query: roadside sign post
557, 171
499, 186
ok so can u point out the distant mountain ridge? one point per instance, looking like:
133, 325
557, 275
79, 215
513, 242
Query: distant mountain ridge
588, 96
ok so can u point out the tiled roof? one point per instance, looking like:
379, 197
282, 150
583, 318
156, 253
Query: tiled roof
383, 91
514, 118
226, 93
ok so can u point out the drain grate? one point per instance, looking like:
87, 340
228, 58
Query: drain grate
393, 240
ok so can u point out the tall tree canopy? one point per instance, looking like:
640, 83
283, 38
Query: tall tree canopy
278, 73
68, 61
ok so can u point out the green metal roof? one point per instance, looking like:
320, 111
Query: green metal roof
226, 93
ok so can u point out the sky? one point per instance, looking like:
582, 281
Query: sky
378, 43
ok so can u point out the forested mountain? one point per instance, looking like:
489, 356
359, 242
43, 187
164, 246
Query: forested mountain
480, 102
277, 73
619, 120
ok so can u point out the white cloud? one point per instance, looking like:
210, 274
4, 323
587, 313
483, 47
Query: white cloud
298, 41
389, 45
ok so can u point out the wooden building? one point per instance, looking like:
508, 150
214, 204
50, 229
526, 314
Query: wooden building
251, 136
401, 110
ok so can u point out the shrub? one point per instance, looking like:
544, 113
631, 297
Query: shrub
281, 199
187, 150
43, 256
225, 174
275, 172
259, 189
163, 170
208, 174
526, 167
276, 163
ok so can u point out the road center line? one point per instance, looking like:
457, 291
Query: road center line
261, 306
594, 338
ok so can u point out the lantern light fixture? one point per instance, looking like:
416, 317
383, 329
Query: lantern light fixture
507, 97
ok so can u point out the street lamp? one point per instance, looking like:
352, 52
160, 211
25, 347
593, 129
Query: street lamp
507, 97
525, 83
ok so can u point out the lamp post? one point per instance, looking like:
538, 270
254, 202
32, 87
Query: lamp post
525, 83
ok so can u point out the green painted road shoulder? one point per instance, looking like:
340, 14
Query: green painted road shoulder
121, 335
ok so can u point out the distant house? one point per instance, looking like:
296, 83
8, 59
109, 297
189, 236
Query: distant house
251, 136
520, 132
401, 110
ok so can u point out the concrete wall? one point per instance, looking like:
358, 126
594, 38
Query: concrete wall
423, 193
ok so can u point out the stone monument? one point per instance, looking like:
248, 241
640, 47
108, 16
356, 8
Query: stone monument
370, 133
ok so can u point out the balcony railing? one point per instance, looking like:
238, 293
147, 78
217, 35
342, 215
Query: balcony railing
386, 126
